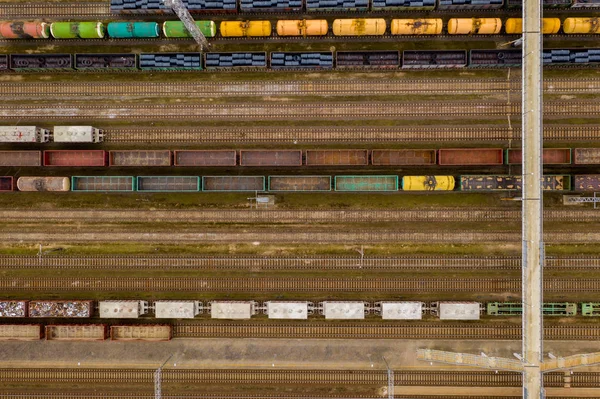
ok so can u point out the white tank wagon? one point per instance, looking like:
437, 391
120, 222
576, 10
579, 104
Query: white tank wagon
68, 309
296, 310
342, 310
46, 183
177, 309
77, 134
122, 309
400, 310
24, 134
238, 310
456, 310
13, 308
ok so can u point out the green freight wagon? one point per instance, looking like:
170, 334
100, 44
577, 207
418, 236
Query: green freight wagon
168, 184
77, 30
126, 30
516, 308
590, 309
176, 29
366, 183
103, 183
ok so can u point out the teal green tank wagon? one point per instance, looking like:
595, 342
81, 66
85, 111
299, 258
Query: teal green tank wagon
127, 30
77, 30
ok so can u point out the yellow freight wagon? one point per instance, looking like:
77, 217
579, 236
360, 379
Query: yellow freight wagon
302, 27
477, 26
245, 28
359, 27
428, 183
514, 26
429, 26
581, 25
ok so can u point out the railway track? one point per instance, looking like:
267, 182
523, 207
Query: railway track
285, 284
35, 234
166, 262
294, 216
293, 111
77, 10
324, 134
203, 89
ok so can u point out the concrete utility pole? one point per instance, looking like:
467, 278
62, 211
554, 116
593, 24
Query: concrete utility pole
530, 362
158, 379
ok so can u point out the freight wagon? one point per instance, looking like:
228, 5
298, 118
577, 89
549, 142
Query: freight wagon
59, 134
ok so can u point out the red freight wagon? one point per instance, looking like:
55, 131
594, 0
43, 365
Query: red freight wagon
471, 156
271, 158
403, 157
551, 156
75, 158
337, 157
205, 158
6, 183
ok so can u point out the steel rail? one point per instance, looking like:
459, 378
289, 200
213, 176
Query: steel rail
204, 89
294, 216
252, 235
237, 262
287, 284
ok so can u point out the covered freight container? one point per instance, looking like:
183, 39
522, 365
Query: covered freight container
475, 26
514, 26
426, 26
302, 27
20, 332
271, 5
168, 183
428, 183
296, 310
368, 59
6, 183
232, 309
24, 30
586, 156
245, 28
469, 4
122, 309
299, 183
585, 4
68, 309
551, 156
141, 332
176, 29
359, 27
403, 157
271, 157
76, 332
403, 5
433, 59
75, 158
127, 30
171, 61
471, 156
105, 62
41, 62
586, 183
301, 60
10, 308
456, 310
158, 6
390, 310
205, 157
20, 158
344, 310
77, 30
177, 309
233, 183
336, 5
581, 25
337, 157
366, 183
139, 158
46, 183
77, 134
103, 183
235, 60
495, 58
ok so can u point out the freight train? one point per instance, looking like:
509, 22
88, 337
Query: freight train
299, 28
235, 6
290, 60
294, 183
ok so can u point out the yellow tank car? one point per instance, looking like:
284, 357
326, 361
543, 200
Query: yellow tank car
581, 25
302, 27
245, 28
430, 26
514, 26
477, 26
428, 183
359, 27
